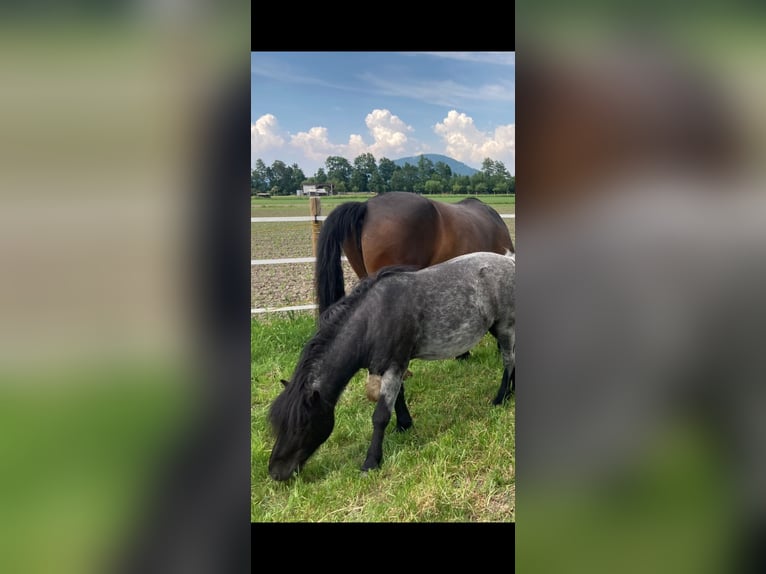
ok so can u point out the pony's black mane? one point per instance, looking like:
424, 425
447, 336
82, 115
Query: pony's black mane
291, 406
338, 312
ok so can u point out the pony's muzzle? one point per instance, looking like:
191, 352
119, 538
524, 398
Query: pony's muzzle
281, 469
282, 473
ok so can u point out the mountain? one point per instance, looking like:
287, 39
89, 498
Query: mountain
457, 167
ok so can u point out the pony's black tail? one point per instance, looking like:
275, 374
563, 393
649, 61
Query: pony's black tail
344, 220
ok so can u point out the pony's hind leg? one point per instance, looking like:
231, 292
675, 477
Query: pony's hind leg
389, 397
506, 341
403, 418
504, 392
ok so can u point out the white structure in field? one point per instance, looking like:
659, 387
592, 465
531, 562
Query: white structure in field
313, 189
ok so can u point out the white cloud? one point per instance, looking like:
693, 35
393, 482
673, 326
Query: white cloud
465, 142
264, 133
355, 147
388, 132
389, 135
315, 144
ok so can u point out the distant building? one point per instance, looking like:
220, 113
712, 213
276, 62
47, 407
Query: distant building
314, 189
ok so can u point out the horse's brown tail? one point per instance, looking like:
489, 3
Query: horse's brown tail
344, 220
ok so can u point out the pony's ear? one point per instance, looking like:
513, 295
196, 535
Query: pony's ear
284, 382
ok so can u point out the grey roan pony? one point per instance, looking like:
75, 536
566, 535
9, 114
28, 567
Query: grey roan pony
435, 313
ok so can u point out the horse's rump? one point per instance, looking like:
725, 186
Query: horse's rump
469, 226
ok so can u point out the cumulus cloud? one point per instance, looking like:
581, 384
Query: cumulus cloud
388, 132
389, 135
315, 144
264, 134
465, 142
355, 147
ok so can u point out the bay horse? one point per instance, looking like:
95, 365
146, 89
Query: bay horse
398, 315
401, 228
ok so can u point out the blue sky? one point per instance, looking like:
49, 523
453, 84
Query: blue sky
306, 106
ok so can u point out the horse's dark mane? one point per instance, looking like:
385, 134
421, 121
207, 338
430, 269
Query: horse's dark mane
291, 407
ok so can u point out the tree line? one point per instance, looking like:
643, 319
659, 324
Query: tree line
367, 175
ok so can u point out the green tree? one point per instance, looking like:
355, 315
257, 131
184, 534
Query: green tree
280, 178
433, 186
386, 169
501, 187
297, 178
259, 177
496, 176
425, 169
364, 169
377, 184
404, 178
339, 172
340, 187
443, 171
488, 167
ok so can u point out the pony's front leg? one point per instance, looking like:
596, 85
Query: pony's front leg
390, 387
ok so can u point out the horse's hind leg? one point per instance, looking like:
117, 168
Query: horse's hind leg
389, 396
403, 418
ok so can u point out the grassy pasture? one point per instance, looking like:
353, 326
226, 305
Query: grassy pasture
455, 464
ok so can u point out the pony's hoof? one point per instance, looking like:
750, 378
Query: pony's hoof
497, 401
401, 427
369, 465
465, 356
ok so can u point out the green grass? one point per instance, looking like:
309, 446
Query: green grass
457, 463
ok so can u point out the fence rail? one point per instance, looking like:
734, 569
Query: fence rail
288, 260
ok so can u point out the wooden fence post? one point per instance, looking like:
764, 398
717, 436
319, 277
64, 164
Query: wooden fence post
315, 210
